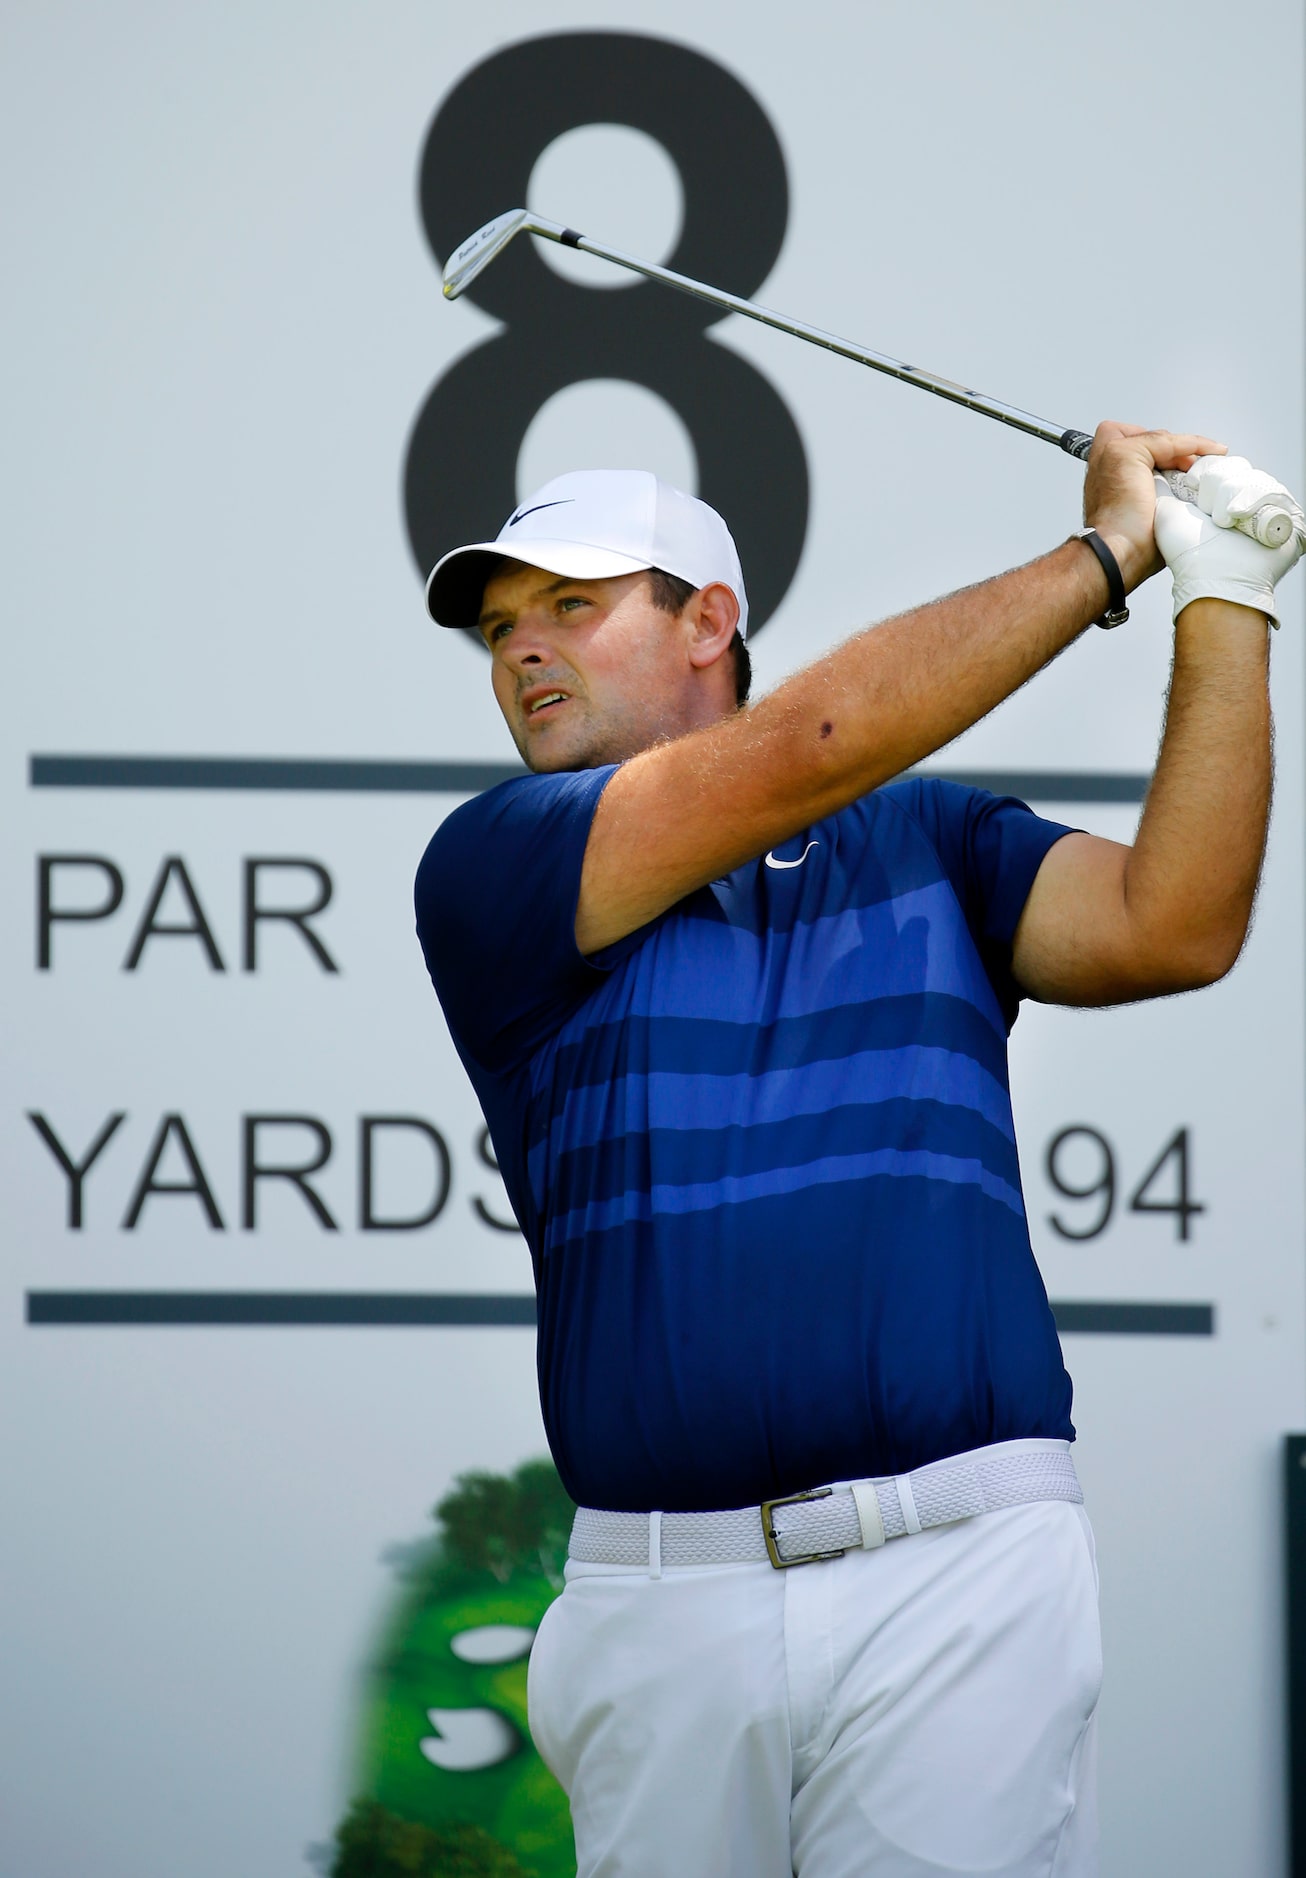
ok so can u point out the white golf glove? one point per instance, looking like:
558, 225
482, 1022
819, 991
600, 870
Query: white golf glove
1201, 515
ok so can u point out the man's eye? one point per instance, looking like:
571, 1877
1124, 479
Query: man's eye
569, 601
501, 631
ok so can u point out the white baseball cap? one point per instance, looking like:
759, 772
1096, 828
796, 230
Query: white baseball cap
594, 524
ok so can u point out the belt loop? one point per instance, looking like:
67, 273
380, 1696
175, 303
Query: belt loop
869, 1516
655, 1545
907, 1500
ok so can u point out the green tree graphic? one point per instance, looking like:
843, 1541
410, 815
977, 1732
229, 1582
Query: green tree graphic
508, 1523
371, 1843
426, 1805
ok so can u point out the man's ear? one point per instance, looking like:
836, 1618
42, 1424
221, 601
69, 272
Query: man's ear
713, 613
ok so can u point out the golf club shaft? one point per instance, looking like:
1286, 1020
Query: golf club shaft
1074, 442
1270, 525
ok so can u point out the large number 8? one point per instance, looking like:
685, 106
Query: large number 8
460, 480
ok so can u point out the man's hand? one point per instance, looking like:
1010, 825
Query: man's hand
1119, 496
1209, 557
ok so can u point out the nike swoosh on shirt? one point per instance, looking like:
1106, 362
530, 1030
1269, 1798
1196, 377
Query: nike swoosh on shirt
771, 860
521, 514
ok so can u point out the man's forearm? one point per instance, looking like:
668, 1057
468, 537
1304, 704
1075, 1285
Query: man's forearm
680, 815
898, 692
686, 812
1190, 880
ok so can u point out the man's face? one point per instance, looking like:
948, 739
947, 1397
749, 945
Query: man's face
585, 671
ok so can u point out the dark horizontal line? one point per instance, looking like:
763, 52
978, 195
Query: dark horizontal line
377, 1308
468, 1309
1105, 1319
338, 775
1050, 785
349, 775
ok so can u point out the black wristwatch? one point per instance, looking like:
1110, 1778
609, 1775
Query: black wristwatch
1116, 611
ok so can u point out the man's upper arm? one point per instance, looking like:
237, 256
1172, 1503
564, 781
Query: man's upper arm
686, 812
1075, 943
678, 816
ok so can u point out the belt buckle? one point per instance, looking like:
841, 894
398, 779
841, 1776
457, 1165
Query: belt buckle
769, 1533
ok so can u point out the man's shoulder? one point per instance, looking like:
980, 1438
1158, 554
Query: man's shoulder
913, 809
495, 899
927, 797
502, 871
948, 814
509, 808
473, 815
457, 837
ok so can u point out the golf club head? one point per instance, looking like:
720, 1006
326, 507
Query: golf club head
480, 249
487, 243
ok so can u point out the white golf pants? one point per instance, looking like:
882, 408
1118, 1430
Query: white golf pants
923, 1709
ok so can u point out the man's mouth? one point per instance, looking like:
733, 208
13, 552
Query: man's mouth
548, 702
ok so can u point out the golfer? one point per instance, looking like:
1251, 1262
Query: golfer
735, 1005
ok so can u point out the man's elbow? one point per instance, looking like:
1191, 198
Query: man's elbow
1138, 965
1192, 960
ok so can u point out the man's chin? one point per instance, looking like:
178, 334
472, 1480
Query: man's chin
554, 762
550, 749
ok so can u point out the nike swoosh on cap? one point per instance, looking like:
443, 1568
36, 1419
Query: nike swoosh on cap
521, 514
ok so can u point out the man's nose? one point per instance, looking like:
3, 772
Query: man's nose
529, 642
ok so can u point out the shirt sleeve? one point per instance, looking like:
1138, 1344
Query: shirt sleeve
495, 897
991, 848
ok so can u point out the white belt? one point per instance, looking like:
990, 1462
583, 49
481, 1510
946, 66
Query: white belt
826, 1522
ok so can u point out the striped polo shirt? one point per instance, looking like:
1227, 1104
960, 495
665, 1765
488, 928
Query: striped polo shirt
762, 1149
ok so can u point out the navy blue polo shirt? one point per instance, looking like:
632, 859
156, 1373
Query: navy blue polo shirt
762, 1150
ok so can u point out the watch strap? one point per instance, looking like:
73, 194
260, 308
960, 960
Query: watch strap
1116, 610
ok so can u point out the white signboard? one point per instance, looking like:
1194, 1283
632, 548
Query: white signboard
263, 1296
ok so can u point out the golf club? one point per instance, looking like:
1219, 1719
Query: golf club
1270, 524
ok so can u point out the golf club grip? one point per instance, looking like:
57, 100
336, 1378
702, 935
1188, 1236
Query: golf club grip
1269, 525
1273, 527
